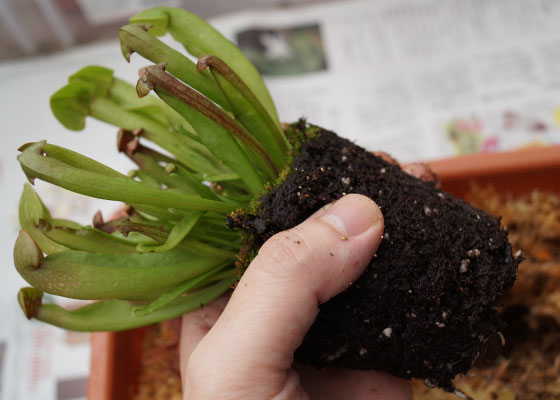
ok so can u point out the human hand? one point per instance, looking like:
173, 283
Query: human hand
244, 349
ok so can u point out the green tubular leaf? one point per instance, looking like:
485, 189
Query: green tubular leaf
137, 238
205, 250
134, 38
94, 276
204, 191
214, 219
150, 166
157, 232
145, 178
177, 234
157, 79
87, 239
31, 210
221, 143
231, 245
180, 178
175, 293
156, 19
208, 120
160, 213
118, 315
198, 146
65, 223
225, 274
200, 38
232, 191
194, 181
127, 141
248, 109
120, 188
79, 98
205, 228
26, 252
179, 145
160, 234
188, 133
100, 77
220, 177
253, 123
123, 93
70, 104
77, 160
134, 238
112, 225
29, 300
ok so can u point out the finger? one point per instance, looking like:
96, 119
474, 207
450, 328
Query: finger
196, 324
340, 384
386, 156
421, 171
277, 299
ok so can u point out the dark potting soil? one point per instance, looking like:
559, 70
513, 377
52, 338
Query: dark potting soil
425, 306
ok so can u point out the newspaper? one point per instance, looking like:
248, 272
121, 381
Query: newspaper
420, 79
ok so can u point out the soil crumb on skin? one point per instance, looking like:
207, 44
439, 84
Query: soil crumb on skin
424, 307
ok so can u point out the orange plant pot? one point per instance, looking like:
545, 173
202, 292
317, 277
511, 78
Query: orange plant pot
115, 356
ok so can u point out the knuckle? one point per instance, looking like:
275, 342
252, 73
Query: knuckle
287, 252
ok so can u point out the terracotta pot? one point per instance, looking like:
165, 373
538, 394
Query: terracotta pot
115, 360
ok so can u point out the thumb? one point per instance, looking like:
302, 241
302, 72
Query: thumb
277, 299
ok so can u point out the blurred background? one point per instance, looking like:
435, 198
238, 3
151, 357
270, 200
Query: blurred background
421, 79
32, 27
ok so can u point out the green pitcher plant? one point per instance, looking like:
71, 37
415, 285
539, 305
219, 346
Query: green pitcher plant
171, 253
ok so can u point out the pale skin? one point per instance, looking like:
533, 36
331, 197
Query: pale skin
242, 347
